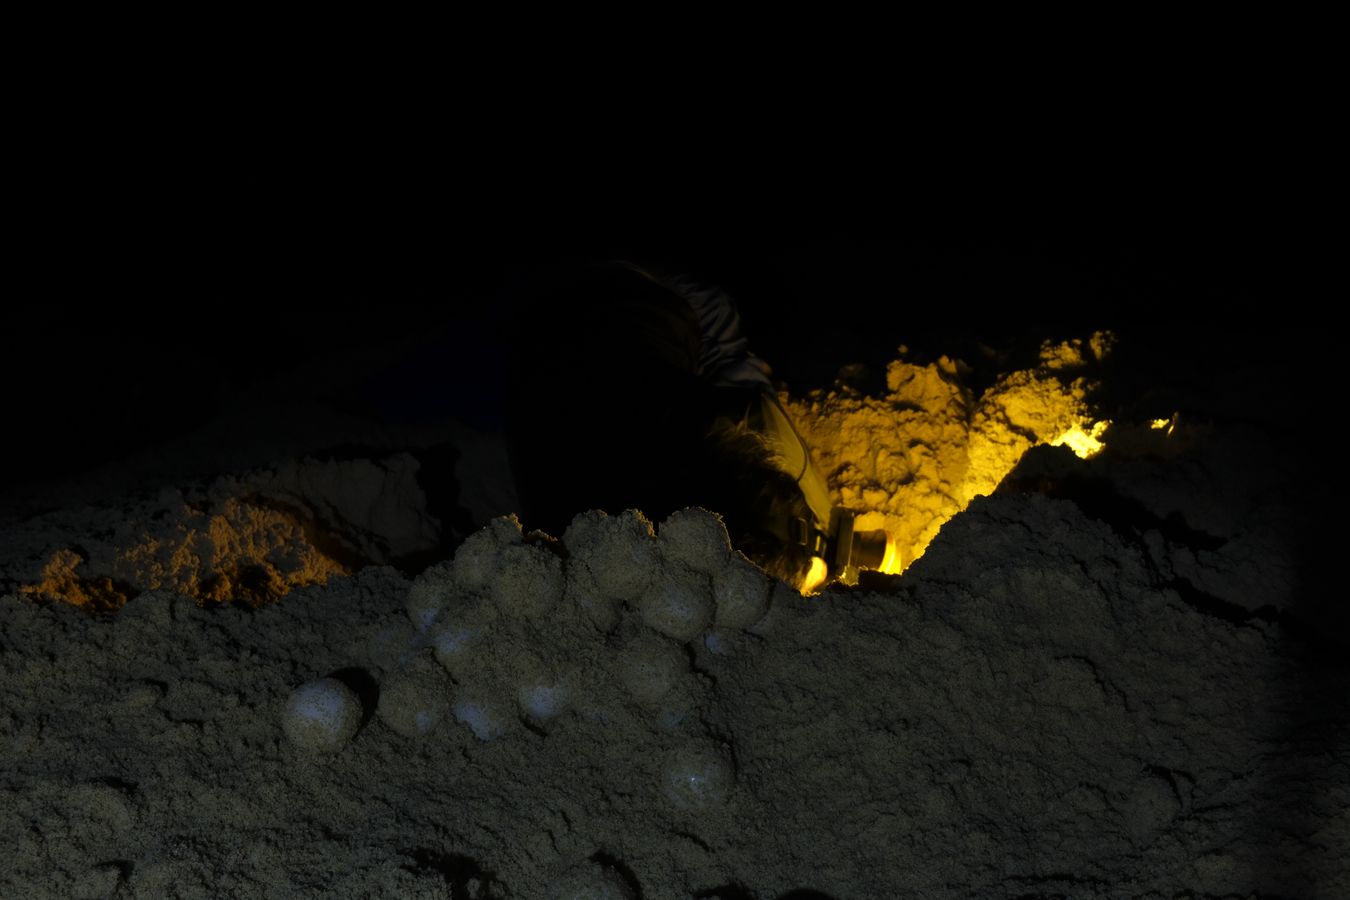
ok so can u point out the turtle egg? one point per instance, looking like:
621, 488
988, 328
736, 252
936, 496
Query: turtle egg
529, 580
321, 715
393, 645
484, 718
651, 668
697, 778
617, 551
671, 718
416, 699
720, 643
428, 596
579, 588
542, 702
695, 537
478, 558
452, 645
742, 592
591, 881
678, 603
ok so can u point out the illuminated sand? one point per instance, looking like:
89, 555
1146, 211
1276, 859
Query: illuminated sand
250, 538
913, 457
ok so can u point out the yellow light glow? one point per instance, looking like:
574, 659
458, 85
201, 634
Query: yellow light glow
1159, 424
909, 459
816, 576
1085, 442
890, 562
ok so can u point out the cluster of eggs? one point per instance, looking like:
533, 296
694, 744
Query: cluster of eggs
517, 632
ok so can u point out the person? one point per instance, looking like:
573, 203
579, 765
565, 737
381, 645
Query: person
634, 388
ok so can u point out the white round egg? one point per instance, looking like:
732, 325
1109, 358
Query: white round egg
678, 603
695, 537
484, 717
453, 645
529, 580
742, 593
696, 778
651, 668
542, 701
618, 552
429, 596
321, 715
414, 700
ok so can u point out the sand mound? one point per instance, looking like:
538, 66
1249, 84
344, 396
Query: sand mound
250, 538
1037, 708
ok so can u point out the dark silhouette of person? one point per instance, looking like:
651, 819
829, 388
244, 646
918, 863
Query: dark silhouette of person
635, 389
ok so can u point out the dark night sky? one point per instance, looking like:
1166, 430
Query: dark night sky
163, 295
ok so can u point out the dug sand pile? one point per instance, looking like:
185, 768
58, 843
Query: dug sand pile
1035, 709
915, 454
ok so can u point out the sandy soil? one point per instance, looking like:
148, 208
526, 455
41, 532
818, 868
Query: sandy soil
1100, 681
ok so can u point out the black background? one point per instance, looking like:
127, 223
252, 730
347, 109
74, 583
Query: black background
162, 288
